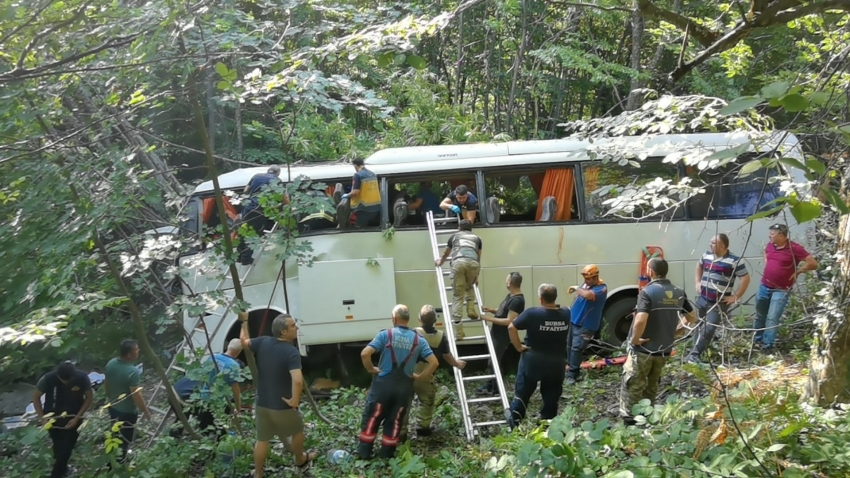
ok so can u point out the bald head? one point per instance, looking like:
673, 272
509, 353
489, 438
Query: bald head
401, 314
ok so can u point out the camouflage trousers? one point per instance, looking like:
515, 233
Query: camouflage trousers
464, 274
641, 376
426, 392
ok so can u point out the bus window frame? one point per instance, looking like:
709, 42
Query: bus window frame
525, 169
435, 176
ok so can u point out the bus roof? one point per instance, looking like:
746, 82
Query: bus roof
459, 157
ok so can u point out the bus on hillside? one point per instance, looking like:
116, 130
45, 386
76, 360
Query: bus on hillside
358, 275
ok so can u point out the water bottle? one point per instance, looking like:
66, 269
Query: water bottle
338, 456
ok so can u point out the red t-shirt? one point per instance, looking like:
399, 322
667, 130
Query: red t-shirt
781, 264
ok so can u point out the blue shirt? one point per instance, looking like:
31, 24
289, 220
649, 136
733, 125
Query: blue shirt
260, 180
402, 343
231, 372
430, 202
588, 313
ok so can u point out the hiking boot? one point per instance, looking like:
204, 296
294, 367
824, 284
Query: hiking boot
570, 380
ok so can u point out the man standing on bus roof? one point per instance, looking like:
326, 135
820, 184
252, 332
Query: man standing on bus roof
543, 355
653, 334
586, 318
784, 260
715, 279
365, 196
252, 213
509, 309
461, 200
392, 383
464, 247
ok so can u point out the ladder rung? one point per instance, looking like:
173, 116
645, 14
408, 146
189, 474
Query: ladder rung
445, 231
446, 272
487, 424
475, 357
484, 399
474, 337
178, 368
450, 288
157, 410
478, 378
442, 245
445, 219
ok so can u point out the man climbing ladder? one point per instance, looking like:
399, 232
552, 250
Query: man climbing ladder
464, 247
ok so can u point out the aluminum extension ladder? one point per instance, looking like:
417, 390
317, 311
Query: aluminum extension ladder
198, 333
461, 380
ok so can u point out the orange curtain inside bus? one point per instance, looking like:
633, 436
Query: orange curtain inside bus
536, 182
558, 183
209, 207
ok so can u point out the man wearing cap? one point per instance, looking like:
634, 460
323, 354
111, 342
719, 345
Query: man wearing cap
715, 280
784, 260
586, 317
365, 196
67, 395
461, 201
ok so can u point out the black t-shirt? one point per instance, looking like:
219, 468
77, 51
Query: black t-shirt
546, 331
275, 359
662, 301
471, 203
515, 303
64, 397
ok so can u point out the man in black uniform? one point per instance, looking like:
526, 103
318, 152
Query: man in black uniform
544, 355
509, 309
67, 395
654, 330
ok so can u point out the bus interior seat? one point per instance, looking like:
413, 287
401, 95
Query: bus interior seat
492, 210
343, 213
400, 212
339, 190
550, 209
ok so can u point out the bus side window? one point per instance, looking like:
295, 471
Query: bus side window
605, 182
728, 196
545, 195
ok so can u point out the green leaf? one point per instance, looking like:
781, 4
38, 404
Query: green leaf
750, 168
805, 211
794, 103
221, 69
399, 59
819, 98
775, 90
835, 199
416, 62
767, 213
793, 163
816, 166
776, 447
740, 104
223, 85
385, 60
727, 153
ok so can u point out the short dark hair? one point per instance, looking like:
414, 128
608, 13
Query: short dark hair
357, 161
659, 266
465, 225
65, 370
127, 346
548, 292
724, 239
461, 190
280, 324
780, 228
515, 279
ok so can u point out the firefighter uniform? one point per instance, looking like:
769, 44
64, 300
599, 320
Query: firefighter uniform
464, 272
392, 389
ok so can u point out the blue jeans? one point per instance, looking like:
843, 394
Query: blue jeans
535, 368
581, 338
770, 303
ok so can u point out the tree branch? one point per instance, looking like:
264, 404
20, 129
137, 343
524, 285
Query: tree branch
114, 43
38, 37
809, 9
594, 6
727, 41
701, 33
26, 23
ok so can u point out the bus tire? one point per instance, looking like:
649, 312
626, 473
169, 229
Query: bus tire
617, 321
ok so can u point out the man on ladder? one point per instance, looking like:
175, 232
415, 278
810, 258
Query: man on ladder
392, 387
464, 247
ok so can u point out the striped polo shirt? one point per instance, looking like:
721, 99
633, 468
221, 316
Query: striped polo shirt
718, 275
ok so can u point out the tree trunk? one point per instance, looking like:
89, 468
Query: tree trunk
829, 366
635, 96
210, 84
517, 66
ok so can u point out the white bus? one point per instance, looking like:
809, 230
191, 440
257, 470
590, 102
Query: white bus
358, 275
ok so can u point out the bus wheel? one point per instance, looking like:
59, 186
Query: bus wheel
617, 321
